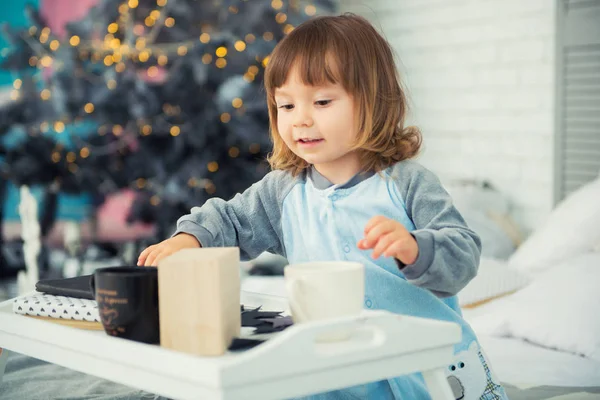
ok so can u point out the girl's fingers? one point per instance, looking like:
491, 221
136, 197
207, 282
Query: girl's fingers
393, 249
379, 230
382, 244
372, 222
144, 254
153, 258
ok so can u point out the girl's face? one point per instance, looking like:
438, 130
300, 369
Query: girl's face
318, 124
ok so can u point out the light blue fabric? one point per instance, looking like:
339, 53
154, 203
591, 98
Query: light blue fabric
309, 219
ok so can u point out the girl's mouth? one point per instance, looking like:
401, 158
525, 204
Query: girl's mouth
310, 142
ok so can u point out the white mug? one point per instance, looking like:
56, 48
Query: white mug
325, 290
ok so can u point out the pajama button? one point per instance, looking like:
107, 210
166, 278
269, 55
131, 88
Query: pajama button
347, 249
368, 303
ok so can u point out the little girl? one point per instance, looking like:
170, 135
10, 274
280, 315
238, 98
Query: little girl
343, 188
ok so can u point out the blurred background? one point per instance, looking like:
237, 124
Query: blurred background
119, 116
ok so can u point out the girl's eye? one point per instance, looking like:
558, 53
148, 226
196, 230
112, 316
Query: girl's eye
287, 106
322, 102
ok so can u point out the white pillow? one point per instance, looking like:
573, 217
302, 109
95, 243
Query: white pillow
557, 310
572, 228
495, 278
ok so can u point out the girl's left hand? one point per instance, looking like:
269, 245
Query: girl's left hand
390, 238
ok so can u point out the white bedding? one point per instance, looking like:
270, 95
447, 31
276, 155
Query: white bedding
523, 364
515, 361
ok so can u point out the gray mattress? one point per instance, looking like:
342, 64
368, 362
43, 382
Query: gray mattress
27, 378
30, 379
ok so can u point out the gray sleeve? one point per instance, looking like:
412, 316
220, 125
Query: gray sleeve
448, 250
250, 221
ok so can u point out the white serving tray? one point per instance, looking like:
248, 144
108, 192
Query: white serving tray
291, 363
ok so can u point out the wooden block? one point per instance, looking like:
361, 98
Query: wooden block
199, 300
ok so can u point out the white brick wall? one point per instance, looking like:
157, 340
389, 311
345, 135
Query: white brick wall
480, 75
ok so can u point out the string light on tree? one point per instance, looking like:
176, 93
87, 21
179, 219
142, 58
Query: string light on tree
146, 71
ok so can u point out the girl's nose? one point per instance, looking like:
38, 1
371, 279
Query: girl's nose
302, 119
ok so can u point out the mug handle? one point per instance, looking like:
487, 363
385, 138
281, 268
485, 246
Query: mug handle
293, 287
93, 285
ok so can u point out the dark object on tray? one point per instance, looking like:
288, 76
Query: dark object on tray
78, 287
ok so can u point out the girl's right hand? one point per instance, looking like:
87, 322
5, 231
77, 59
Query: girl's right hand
153, 254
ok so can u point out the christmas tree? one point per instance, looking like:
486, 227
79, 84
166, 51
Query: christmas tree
161, 96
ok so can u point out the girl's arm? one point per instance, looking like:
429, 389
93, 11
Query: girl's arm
449, 251
250, 221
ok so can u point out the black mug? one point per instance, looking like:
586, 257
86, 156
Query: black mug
127, 300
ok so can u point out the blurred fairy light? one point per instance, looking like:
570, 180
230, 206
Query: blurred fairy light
280, 18
288, 28
237, 102
74, 41
221, 63
210, 187
70, 157
132, 3
250, 38
146, 130
310, 10
152, 71
254, 148
234, 152
276, 4
213, 166
59, 126
221, 51
84, 152
268, 36
113, 28
170, 22
205, 38
240, 45
144, 56
207, 58
88, 108
225, 117
175, 131
46, 61
140, 183
117, 130
161, 3
45, 94
54, 45
17, 83
155, 200
182, 50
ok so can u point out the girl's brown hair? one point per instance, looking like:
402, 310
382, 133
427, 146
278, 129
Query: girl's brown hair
346, 49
